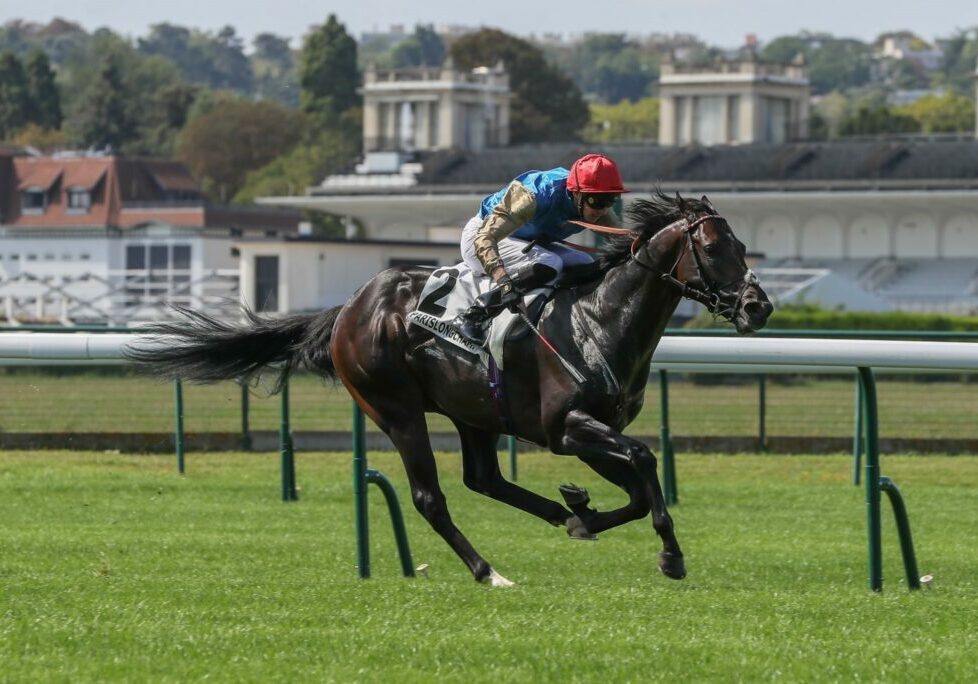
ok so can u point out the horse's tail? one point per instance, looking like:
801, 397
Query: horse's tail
203, 349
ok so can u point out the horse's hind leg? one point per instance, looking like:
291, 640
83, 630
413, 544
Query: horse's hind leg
408, 430
480, 469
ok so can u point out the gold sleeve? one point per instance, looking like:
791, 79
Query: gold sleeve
514, 210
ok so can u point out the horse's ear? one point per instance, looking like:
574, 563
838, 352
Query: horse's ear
680, 203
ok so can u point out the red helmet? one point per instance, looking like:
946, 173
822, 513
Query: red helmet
595, 173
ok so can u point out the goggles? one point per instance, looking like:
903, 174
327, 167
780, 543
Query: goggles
603, 200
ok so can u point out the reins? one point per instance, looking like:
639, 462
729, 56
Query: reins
710, 297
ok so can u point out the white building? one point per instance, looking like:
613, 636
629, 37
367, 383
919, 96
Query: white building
95, 238
733, 103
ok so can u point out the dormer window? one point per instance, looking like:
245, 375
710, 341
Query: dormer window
79, 200
33, 201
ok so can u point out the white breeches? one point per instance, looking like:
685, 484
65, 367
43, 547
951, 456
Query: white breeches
554, 255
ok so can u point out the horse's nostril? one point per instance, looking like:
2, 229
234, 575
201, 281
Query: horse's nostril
756, 308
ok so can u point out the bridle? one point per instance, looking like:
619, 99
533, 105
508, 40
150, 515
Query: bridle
711, 296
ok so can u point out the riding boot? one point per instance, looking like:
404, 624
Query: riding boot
473, 323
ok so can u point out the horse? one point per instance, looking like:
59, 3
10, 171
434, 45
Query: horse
606, 327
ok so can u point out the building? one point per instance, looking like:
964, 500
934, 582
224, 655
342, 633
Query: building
894, 218
733, 102
435, 108
102, 238
303, 274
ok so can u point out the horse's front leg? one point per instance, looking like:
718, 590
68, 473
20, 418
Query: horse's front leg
586, 436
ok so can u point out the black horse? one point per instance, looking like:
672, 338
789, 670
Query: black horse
606, 328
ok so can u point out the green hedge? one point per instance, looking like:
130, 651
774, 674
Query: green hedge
812, 317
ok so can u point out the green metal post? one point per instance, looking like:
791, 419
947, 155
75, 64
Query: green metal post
512, 457
360, 492
857, 437
762, 413
245, 428
903, 528
397, 520
670, 494
289, 492
178, 436
872, 478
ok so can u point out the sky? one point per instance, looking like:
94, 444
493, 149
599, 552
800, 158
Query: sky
722, 23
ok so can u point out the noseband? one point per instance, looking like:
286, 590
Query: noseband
711, 296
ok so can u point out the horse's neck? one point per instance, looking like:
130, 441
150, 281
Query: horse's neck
631, 308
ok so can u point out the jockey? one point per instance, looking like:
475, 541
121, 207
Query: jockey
533, 208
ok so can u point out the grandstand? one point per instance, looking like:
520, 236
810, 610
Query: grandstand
872, 224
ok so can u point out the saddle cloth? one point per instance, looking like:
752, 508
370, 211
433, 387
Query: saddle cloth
449, 291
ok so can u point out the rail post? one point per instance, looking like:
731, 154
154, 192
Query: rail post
875, 483
762, 413
178, 430
289, 491
245, 427
362, 476
857, 435
669, 488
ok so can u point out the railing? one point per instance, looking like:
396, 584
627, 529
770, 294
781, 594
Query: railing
689, 354
115, 296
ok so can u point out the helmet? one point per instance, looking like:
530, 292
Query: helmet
595, 173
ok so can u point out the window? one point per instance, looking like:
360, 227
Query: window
33, 201
266, 283
157, 271
708, 120
733, 118
775, 120
79, 200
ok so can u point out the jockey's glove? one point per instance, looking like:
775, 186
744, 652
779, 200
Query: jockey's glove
509, 294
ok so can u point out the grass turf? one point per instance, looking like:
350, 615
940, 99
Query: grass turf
113, 567
88, 402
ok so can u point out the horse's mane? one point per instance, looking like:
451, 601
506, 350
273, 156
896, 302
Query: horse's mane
647, 217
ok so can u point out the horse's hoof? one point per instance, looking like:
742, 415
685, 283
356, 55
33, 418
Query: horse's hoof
672, 566
494, 579
577, 530
574, 495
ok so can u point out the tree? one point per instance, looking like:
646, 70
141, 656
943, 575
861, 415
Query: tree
547, 106
217, 61
833, 63
875, 118
103, 118
328, 76
624, 122
223, 145
274, 69
958, 62
423, 48
45, 108
947, 113
611, 67
14, 97
320, 154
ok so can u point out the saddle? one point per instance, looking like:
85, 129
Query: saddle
451, 290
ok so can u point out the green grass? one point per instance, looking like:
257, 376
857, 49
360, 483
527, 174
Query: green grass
95, 403
114, 568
